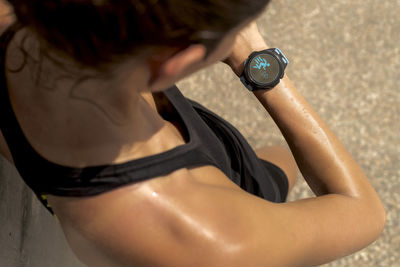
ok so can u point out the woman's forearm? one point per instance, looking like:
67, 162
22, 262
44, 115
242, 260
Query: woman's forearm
324, 162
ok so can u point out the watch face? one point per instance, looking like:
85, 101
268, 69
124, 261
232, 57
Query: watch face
264, 69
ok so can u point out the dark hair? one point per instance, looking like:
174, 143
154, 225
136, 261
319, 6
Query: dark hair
96, 33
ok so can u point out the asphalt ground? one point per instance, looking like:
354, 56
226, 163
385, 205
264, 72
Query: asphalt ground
345, 59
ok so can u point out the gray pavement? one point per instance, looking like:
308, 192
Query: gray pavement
345, 59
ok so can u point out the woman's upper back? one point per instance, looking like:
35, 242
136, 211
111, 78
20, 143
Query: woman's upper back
173, 209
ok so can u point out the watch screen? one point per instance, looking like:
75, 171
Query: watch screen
264, 68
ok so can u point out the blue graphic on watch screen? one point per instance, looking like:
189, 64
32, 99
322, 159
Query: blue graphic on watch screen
264, 68
261, 63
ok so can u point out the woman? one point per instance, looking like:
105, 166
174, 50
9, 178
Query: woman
140, 176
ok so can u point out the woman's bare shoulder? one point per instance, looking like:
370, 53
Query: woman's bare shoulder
167, 219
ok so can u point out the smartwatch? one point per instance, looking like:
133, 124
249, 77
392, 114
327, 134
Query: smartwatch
264, 69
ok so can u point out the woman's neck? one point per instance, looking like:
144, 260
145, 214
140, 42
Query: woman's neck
93, 111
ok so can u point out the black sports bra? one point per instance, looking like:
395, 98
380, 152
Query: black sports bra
212, 141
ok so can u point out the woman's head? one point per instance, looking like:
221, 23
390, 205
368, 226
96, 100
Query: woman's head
98, 33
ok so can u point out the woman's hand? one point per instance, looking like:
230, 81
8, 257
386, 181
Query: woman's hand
247, 41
